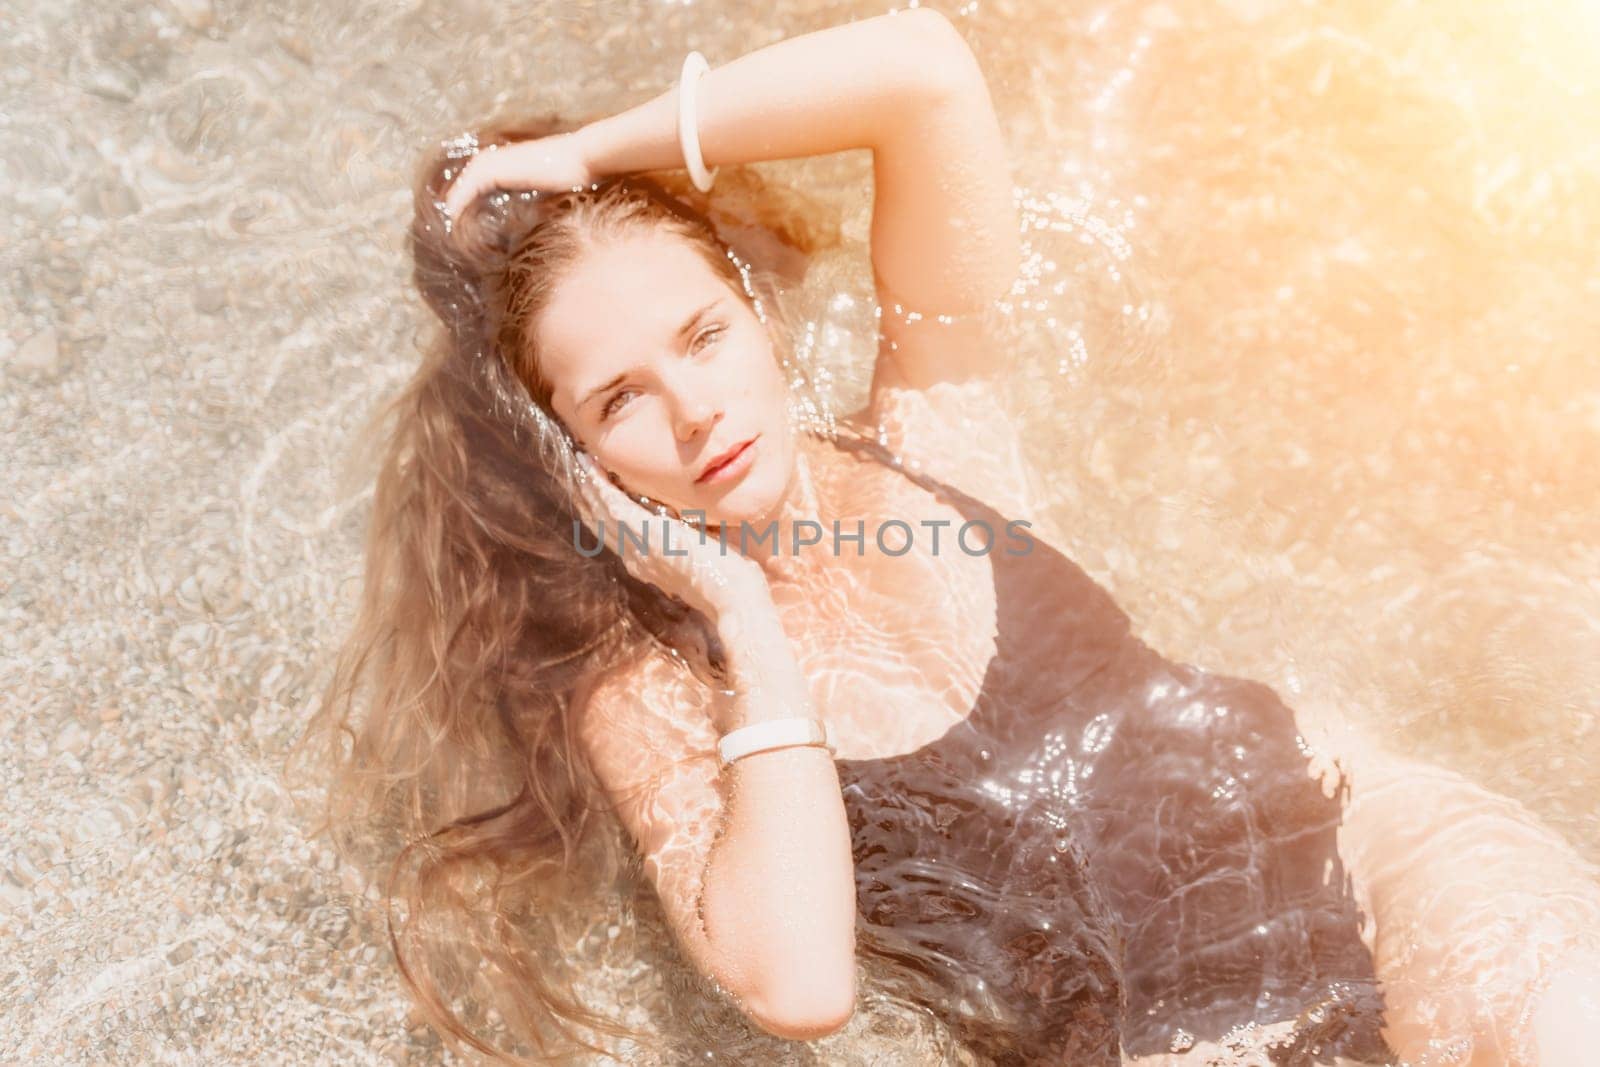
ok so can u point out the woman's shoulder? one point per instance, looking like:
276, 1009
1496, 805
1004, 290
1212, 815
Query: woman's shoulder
962, 433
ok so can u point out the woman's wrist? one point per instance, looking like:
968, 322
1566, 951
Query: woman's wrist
638, 139
750, 702
764, 678
821, 92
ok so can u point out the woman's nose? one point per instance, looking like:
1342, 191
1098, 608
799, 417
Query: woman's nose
694, 412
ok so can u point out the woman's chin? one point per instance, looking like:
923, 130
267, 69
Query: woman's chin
753, 500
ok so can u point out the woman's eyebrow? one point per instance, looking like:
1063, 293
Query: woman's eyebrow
688, 324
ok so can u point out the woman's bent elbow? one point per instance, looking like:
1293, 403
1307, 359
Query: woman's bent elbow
804, 1011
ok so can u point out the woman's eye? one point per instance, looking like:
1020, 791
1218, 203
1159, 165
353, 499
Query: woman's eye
611, 404
710, 331
617, 400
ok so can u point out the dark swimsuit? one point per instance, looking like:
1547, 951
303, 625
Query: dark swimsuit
1114, 853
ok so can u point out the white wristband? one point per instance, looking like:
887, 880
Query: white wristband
773, 733
694, 65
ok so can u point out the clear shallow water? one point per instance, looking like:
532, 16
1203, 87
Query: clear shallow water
1320, 402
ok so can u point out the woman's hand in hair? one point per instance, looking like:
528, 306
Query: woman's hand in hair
558, 163
698, 570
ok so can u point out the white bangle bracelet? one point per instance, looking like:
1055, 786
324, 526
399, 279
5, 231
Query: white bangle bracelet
694, 65
773, 733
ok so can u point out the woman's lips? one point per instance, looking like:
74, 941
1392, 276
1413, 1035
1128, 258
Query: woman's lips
732, 467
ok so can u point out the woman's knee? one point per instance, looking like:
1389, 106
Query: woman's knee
1566, 1014
1474, 901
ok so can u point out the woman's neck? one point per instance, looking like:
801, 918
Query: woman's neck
804, 516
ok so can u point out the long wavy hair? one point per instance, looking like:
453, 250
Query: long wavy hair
445, 737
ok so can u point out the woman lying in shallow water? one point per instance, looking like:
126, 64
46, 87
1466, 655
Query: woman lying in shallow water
1066, 846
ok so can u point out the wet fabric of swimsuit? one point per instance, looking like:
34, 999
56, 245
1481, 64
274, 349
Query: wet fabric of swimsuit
1114, 854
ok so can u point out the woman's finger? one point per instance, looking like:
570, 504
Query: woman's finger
606, 501
479, 176
543, 164
494, 168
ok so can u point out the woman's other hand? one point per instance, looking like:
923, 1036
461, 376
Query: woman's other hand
716, 581
558, 163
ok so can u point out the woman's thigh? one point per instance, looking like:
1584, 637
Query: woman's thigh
1473, 906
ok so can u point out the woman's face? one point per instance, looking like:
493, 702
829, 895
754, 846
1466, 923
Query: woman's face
658, 368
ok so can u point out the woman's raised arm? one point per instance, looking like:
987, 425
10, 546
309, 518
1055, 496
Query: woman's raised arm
945, 238
751, 862
766, 908
904, 85
827, 91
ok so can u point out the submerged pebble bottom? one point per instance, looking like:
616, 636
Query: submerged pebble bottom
1304, 342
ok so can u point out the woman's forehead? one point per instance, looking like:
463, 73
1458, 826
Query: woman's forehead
632, 287
619, 303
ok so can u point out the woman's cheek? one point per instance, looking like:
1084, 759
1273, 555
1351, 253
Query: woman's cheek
626, 451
